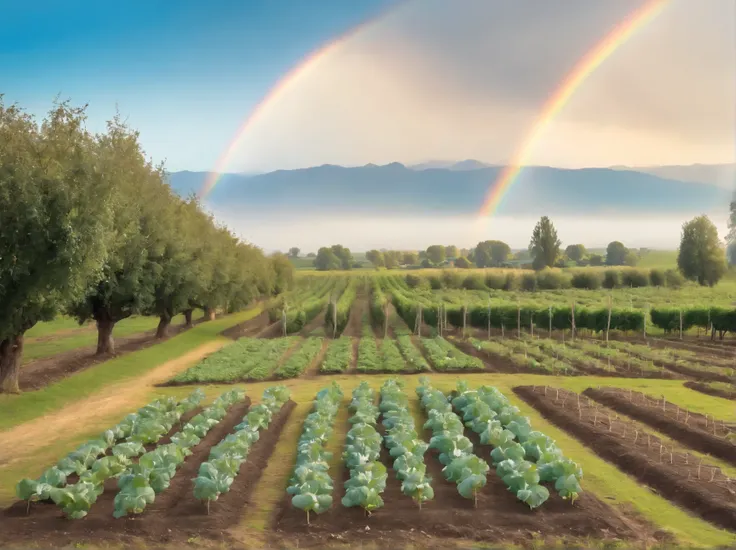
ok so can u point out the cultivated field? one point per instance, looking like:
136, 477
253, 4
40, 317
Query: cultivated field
378, 410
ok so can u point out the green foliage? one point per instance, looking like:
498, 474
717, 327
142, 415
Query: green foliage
217, 474
616, 253
375, 257
338, 357
611, 278
575, 252
446, 357
369, 358
634, 278
701, 257
299, 361
310, 485
657, 277
491, 254
246, 359
436, 254
415, 361
463, 263
333, 258
586, 279
474, 282
544, 245
339, 312
550, 279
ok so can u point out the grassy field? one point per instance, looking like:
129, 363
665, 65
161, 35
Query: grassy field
65, 334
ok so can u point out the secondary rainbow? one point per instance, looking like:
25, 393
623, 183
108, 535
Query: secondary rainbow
557, 101
297, 72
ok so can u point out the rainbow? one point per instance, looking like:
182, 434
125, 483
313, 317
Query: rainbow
557, 101
303, 67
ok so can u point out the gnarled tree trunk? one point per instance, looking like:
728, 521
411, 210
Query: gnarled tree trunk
209, 314
11, 350
163, 325
105, 343
188, 318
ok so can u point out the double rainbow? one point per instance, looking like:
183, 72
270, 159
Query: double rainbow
557, 101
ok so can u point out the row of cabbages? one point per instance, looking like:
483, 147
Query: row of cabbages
405, 447
310, 484
217, 474
140, 482
462, 467
523, 457
362, 453
125, 441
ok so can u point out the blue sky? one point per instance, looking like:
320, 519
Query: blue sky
184, 72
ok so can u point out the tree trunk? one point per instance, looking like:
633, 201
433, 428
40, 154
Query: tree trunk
11, 351
163, 325
105, 343
209, 314
188, 318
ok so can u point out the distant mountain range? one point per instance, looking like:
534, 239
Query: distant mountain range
437, 187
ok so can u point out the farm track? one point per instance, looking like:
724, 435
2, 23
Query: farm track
251, 328
679, 482
358, 310
314, 324
693, 435
173, 518
703, 388
42, 372
117, 399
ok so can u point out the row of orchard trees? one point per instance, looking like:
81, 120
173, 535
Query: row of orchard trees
88, 227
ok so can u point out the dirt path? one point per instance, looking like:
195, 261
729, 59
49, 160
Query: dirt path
24, 439
359, 309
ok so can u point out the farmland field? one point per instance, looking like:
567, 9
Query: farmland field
429, 419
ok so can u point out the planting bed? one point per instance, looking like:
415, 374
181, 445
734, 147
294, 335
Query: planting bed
675, 474
718, 389
699, 432
174, 517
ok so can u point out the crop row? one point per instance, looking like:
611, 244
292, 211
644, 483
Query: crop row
446, 357
141, 482
124, 441
405, 447
299, 361
338, 357
338, 311
218, 473
311, 485
246, 359
362, 453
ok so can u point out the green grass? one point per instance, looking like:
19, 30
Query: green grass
70, 339
15, 409
661, 259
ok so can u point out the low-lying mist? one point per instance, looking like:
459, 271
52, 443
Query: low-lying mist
280, 231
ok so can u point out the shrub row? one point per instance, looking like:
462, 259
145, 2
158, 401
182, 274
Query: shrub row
342, 307
548, 279
717, 319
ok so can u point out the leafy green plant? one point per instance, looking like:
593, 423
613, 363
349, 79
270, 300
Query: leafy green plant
338, 357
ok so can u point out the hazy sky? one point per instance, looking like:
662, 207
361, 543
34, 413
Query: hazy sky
431, 79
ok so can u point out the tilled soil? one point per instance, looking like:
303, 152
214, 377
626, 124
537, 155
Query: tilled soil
716, 392
174, 517
675, 474
250, 328
42, 372
693, 430
499, 516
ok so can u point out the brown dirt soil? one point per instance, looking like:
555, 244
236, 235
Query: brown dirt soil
250, 328
312, 371
500, 517
494, 363
697, 434
703, 388
314, 324
42, 372
173, 518
685, 481
23, 439
359, 310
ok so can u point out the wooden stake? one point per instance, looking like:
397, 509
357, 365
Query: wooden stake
608, 325
573, 321
518, 320
680, 324
550, 321
489, 319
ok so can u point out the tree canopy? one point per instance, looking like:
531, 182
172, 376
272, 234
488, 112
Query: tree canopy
436, 254
616, 253
451, 251
544, 245
294, 252
491, 254
701, 257
90, 227
575, 252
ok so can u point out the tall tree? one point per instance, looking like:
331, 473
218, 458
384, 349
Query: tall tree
451, 251
326, 260
344, 255
701, 257
436, 253
392, 259
283, 273
410, 258
375, 257
575, 252
616, 253
294, 252
544, 245
491, 253
56, 212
